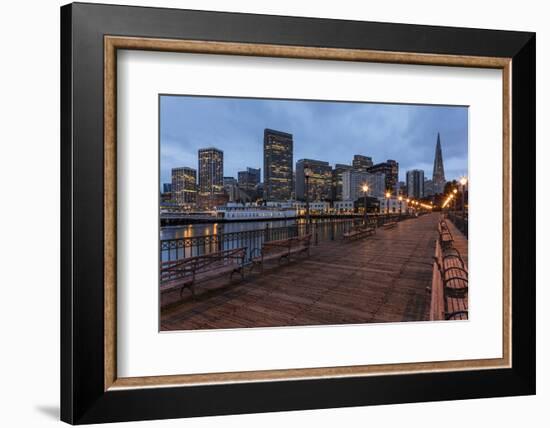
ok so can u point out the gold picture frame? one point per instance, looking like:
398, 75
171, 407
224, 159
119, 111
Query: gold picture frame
114, 43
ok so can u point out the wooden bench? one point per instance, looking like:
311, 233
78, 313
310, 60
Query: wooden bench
186, 273
455, 284
282, 249
445, 237
449, 285
361, 231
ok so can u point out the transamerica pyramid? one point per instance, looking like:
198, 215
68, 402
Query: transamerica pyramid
438, 177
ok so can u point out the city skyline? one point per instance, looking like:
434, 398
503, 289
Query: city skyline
236, 126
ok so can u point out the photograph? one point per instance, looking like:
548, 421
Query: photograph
290, 212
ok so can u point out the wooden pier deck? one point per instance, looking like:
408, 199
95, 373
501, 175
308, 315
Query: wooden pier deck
381, 278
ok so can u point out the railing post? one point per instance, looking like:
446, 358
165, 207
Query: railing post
315, 233
266, 232
219, 236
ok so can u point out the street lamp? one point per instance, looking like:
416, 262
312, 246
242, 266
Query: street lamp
454, 200
400, 205
307, 174
365, 189
388, 194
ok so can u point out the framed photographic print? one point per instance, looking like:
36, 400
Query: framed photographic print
266, 213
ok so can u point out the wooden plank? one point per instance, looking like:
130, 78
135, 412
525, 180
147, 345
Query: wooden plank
382, 279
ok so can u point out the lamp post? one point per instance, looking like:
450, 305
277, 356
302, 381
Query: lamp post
388, 194
365, 189
454, 200
307, 173
463, 181
400, 206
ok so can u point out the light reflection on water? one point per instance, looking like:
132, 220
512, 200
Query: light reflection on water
202, 229
180, 241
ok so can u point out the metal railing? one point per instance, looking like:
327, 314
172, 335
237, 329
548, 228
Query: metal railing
459, 221
321, 229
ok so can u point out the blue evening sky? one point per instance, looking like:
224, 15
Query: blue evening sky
328, 131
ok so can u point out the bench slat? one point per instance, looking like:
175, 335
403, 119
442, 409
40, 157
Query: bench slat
186, 273
282, 248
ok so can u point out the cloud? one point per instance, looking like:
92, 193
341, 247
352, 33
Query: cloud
330, 131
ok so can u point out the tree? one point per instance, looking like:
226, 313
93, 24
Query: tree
450, 186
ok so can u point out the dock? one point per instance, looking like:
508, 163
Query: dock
385, 277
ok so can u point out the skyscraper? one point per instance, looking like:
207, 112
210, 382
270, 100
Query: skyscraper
229, 181
361, 163
184, 185
353, 182
210, 171
278, 155
415, 183
249, 179
390, 169
319, 182
438, 178
337, 176
255, 174
428, 187
377, 184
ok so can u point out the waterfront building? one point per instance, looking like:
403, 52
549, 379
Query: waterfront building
184, 185
346, 206
166, 187
353, 182
438, 177
392, 205
315, 207
278, 157
361, 163
373, 205
337, 177
390, 169
415, 183
319, 182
